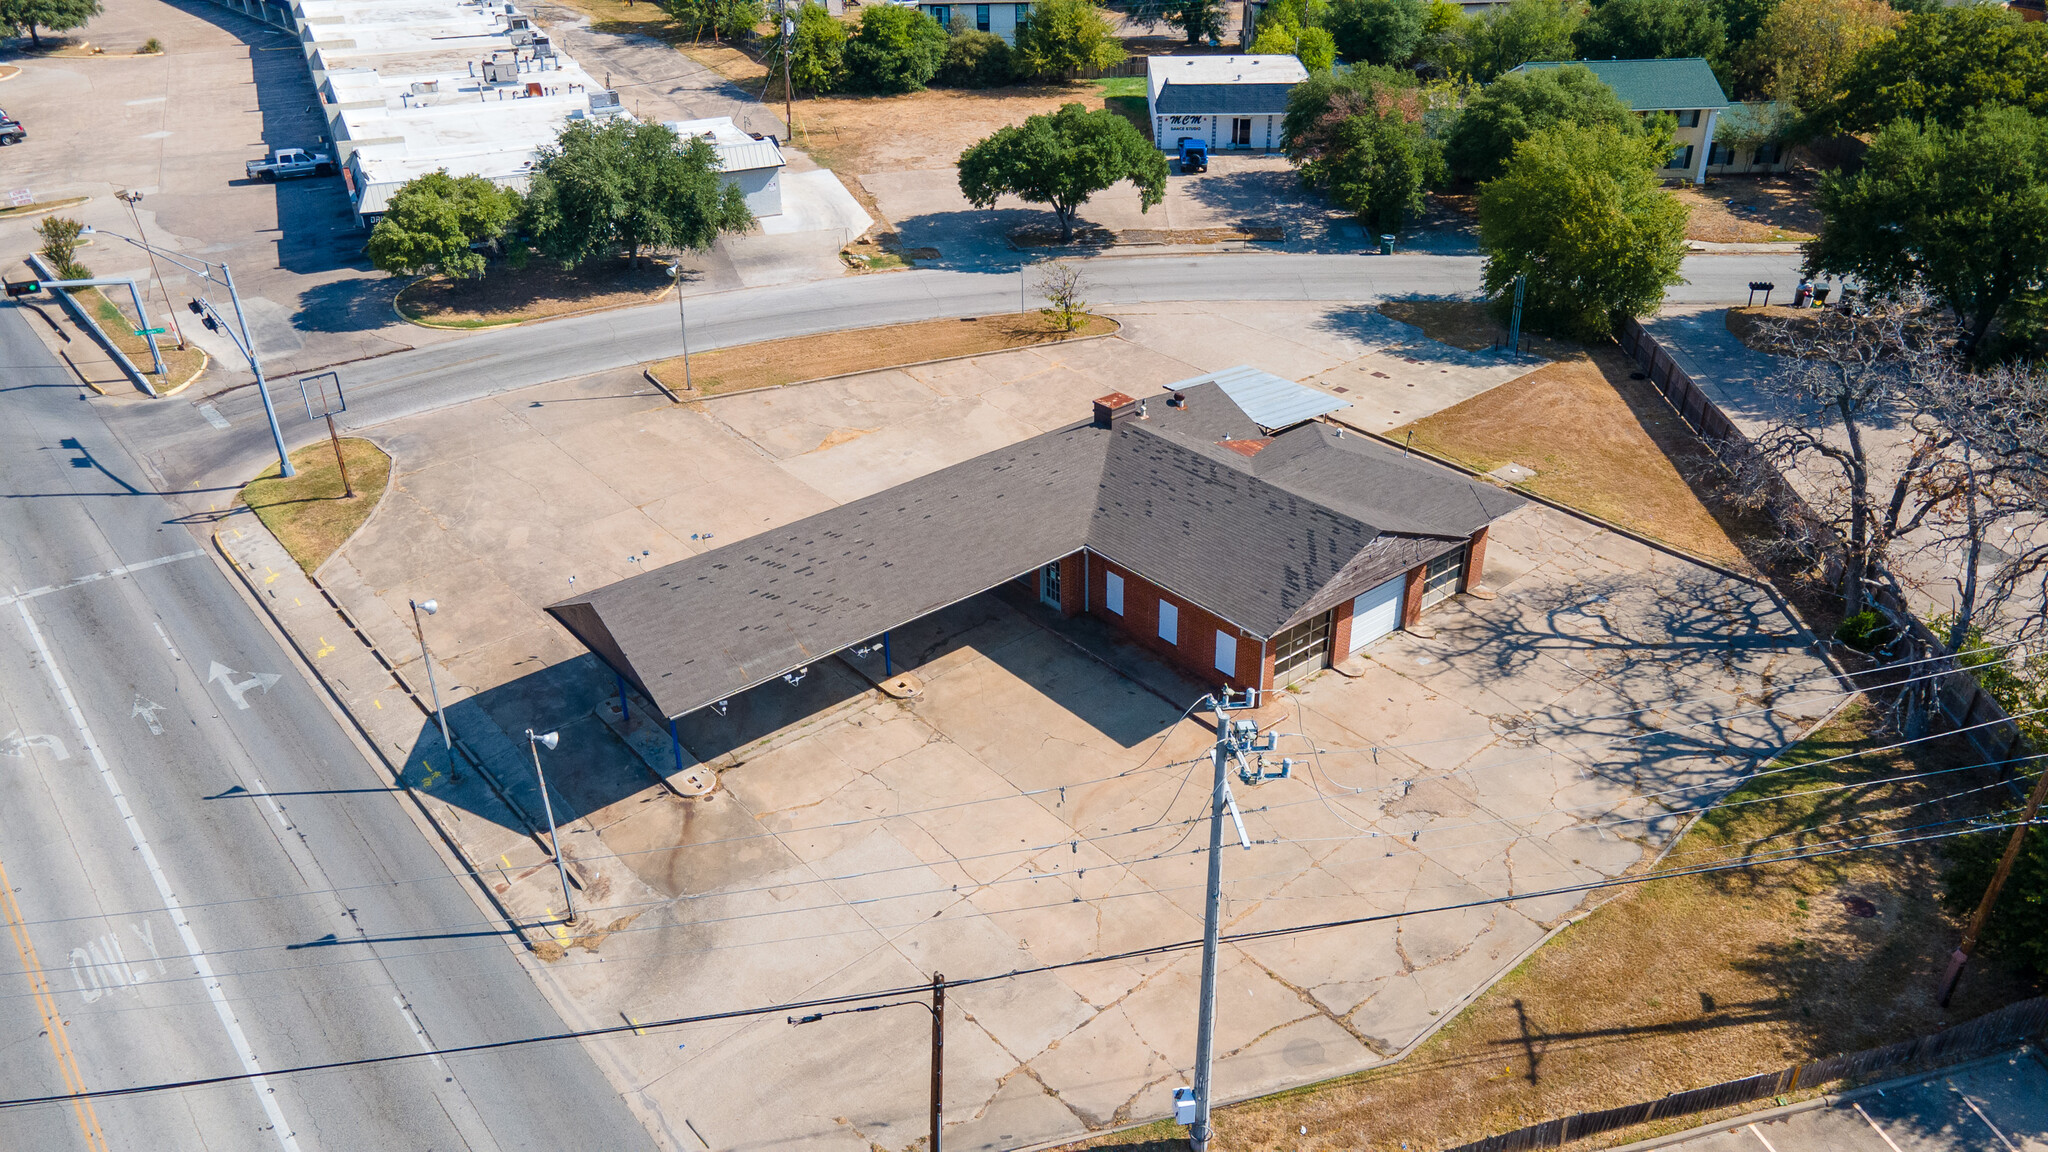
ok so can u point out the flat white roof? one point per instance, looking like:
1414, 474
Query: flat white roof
1222, 70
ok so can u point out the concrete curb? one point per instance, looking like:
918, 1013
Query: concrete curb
397, 776
656, 381
495, 324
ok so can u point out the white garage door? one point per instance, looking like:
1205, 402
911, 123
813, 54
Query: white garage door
1377, 612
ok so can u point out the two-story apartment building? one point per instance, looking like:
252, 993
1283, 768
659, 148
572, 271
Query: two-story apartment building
1685, 88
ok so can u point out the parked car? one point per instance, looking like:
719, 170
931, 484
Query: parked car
289, 163
1194, 155
11, 131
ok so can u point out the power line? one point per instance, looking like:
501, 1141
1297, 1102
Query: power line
911, 990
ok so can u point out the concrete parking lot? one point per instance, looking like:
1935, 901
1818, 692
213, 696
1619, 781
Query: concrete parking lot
1999, 1105
1038, 803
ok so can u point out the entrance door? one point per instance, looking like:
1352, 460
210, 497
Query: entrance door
1049, 584
1241, 132
1301, 650
1378, 612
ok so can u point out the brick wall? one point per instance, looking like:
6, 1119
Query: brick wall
1195, 652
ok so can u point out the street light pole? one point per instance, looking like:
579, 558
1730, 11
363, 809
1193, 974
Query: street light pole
675, 272
937, 1008
533, 743
131, 199
427, 658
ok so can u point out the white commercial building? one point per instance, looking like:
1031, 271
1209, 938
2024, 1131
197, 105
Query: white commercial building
752, 163
1226, 102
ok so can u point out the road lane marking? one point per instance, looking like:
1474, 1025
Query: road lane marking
17, 745
109, 574
419, 1032
200, 964
147, 709
168, 646
1981, 1116
53, 1022
1881, 1134
1758, 1133
218, 671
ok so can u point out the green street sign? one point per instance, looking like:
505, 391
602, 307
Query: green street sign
150, 331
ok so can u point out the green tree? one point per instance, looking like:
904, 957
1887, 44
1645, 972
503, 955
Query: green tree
1942, 64
897, 49
1805, 47
1580, 213
1652, 30
1441, 50
976, 60
1508, 37
1062, 159
60, 247
629, 186
1314, 47
714, 18
1199, 19
1066, 36
56, 15
1378, 31
1520, 104
1961, 212
1321, 103
1378, 164
433, 223
817, 53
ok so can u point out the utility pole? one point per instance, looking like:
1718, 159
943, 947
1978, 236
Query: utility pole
789, 116
132, 199
1228, 744
683, 317
2005, 863
938, 1058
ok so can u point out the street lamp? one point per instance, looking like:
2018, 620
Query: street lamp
427, 658
675, 271
937, 1008
244, 344
131, 199
533, 744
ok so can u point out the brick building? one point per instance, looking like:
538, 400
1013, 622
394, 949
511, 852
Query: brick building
1220, 524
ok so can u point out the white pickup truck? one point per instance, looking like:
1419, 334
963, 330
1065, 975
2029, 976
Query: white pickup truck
287, 163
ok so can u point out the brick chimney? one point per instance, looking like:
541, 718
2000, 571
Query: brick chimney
1112, 408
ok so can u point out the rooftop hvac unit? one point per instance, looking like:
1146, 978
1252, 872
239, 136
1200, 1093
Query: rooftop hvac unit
519, 23
522, 37
605, 103
425, 87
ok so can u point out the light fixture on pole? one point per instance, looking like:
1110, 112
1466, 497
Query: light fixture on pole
427, 658
675, 271
131, 199
534, 741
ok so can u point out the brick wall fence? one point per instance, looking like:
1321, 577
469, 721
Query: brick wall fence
1992, 733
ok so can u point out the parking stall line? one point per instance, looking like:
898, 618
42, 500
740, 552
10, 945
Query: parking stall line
1881, 1134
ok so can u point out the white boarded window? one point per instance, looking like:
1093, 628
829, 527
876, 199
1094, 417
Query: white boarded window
1169, 623
1113, 592
1226, 653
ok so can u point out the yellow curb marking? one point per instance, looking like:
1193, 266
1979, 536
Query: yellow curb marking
637, 1030
376, 703
325, 648
272, 578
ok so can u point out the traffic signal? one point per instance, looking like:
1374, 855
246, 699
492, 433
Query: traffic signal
23, 287
212, 325
196, 309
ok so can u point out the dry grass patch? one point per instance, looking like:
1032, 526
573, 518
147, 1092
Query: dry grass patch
1684, 982
928, 129
1598, 440
507, 296
801, 358
181, 365
1751, 325
308, 513
1751, 209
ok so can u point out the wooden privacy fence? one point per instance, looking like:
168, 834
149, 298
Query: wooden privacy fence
1959, 695
2010, 1025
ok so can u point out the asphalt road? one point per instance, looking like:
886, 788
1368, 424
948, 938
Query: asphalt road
203, 873
182, 446
1996, 1105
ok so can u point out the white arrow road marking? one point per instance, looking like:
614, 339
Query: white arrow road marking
215, 670
147, 709
203, 967
18, 745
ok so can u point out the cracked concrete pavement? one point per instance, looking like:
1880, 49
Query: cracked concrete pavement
1041, 802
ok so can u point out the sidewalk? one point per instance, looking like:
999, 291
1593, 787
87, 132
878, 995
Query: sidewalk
483, 799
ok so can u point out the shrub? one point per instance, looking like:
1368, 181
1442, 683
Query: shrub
976, 60
151, 46
1866, 631
897, 49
